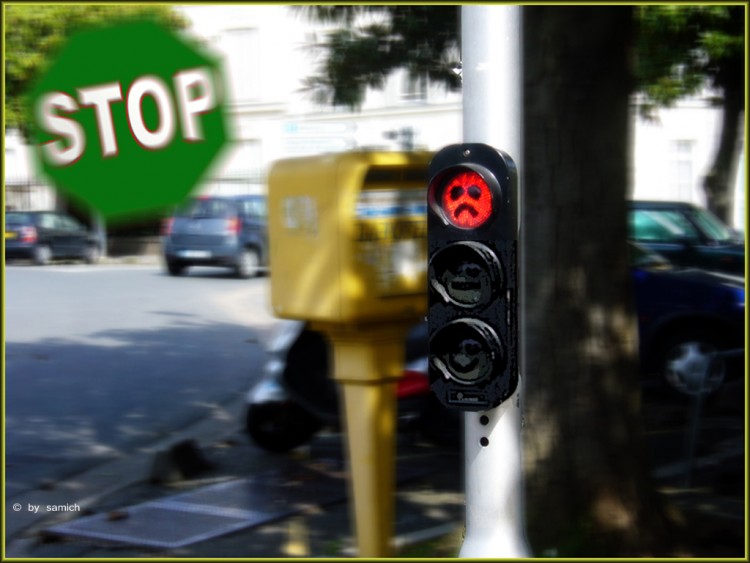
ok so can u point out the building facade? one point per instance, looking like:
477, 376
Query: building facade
268, 51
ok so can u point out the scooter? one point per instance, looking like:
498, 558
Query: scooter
296, 397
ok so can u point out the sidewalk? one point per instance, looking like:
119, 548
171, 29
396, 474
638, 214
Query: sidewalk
295, 505
249, 504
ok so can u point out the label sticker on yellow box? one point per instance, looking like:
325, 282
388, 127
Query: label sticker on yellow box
391, 235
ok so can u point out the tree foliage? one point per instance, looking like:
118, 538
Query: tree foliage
680, 49
376, 40
35, 32
683, 49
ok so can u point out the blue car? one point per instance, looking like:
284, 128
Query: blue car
685, 316
229, 232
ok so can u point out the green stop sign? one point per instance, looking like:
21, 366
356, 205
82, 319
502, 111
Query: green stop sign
128, 118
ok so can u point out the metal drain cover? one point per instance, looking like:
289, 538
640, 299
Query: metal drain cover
208, 512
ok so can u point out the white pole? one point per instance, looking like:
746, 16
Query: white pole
100, 228
492, 113
492, 77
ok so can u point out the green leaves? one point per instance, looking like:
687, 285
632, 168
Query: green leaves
376, 40
35, 32
683, 48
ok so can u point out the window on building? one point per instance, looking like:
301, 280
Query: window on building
242, 47
682, 169
414, 89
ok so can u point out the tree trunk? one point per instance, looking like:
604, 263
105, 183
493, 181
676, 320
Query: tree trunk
589, 491
719, 182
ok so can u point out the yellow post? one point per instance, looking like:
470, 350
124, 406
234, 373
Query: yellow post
348, 250
367, 363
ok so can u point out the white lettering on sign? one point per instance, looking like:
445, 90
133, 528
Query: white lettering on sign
161, 136
101, 97
194, 95
69, 129
187, 82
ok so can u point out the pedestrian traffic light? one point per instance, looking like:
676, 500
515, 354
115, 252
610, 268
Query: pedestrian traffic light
472, 232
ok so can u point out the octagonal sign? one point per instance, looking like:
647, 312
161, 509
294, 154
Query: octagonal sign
128, 118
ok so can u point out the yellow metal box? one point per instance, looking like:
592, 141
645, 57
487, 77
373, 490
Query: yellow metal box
347, 237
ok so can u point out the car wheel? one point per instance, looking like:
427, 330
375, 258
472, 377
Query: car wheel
175, 268
685, 364
280, 426
42, 255
248, 263
92, 254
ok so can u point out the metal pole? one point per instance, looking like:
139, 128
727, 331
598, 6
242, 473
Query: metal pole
492, 77
100, 228
492, 113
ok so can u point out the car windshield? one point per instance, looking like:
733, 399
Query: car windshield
711, 226
206, 207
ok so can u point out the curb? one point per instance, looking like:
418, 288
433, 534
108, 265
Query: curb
141, 259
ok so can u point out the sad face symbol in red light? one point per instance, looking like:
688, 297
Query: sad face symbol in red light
467, 200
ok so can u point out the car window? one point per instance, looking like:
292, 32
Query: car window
711, 226
17, 219
660, 225
48, 221
207, 208
255, 208
68, 223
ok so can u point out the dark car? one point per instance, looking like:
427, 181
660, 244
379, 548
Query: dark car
218, 231
43, 236
685, 316
687, 235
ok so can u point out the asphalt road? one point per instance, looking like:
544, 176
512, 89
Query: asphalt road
103, 360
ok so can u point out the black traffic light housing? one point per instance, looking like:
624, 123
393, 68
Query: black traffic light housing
472, 232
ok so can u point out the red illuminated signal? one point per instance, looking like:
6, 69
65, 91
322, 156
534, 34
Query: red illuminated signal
467, 200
